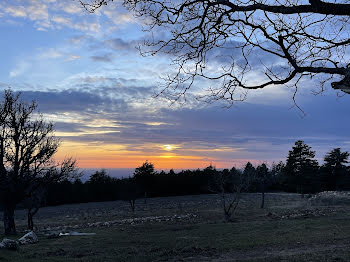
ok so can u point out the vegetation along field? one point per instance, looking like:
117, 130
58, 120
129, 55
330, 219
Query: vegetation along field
190, 228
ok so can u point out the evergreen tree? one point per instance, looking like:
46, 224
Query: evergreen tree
144, 176
301, 168
249, 173
277, 176
171, 172
99, 177
263, 177
100, 186
334, 175
213, 176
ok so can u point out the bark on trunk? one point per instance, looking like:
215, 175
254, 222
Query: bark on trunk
30, 221
132, 205
31, 214
9, 221
263, 198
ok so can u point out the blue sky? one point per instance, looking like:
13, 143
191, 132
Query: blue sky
88, 77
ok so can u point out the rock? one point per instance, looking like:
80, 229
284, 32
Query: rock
76, 234
9, 244
29, 238
51, 235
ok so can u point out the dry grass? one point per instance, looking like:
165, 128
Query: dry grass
288, 229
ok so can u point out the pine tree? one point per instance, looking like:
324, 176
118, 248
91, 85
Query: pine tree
301, 168
334, 171
263, 177
144, 175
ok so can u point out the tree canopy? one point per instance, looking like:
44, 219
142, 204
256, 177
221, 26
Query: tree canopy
242, 45
301, 166
336, 159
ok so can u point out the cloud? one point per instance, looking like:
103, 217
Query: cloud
71, 7
120, 44
101, 111
51, 53
74, 101
62, 20
49, 14
72, 58
118, 14
102, 58
81, 26
20, 69
18, 11
37, 11
78, 39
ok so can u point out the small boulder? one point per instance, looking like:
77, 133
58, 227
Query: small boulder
53, 234
29, 238
9, 244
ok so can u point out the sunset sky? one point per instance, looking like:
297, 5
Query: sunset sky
89, 79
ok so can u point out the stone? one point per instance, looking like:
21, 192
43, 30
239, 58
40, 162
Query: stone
29, 238
9, 244
77, 234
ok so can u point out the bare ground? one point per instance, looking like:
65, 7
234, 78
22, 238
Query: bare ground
191, 228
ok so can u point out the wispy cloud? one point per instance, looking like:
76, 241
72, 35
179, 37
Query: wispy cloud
15, 11
49, 14
102, 58
20, 68
72, 57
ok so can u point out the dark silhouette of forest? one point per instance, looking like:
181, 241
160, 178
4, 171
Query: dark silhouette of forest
300, 173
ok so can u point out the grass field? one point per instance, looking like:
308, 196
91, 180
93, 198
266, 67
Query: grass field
191, 228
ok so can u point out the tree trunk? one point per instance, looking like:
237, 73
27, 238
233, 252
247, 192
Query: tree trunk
9, 220
30, 221
132, 205
31, 214
262, 197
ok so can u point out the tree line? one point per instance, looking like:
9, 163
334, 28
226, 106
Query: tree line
300, 173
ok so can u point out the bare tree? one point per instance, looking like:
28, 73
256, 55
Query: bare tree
33, 203
280, 42
27, 145
130, 192
39, 189
229, 185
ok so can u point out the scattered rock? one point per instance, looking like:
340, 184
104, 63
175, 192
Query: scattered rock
9, 244
330, 198
29, 238
306, 213
76, 234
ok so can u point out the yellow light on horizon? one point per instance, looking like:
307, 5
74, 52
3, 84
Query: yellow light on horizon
167, 156
168, 147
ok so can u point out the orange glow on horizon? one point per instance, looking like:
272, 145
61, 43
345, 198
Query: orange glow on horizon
97, 155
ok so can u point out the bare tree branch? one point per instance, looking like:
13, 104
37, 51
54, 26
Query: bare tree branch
301, 40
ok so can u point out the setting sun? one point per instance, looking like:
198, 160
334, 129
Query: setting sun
168, 147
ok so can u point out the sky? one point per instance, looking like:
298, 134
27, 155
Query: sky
88, 77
